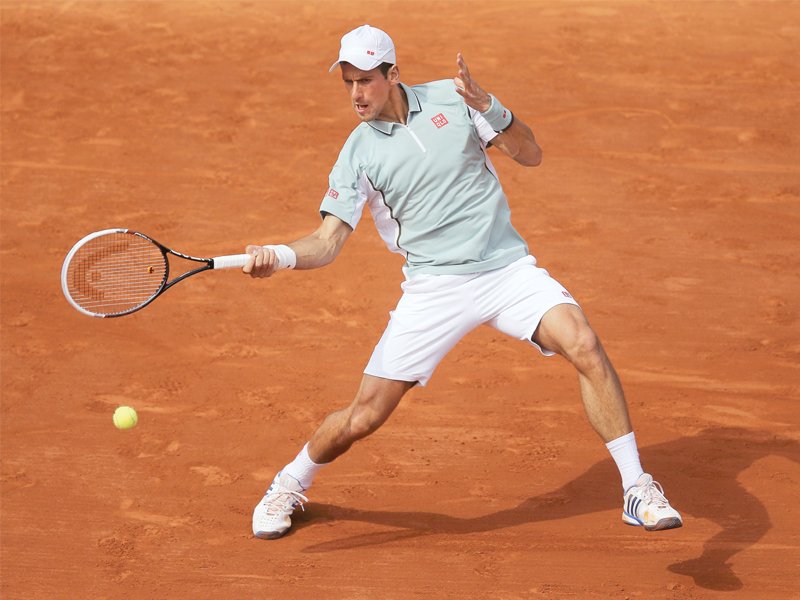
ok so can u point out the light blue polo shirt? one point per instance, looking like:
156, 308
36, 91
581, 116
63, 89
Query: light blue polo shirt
430, 186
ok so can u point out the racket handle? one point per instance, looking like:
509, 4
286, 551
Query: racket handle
232, 261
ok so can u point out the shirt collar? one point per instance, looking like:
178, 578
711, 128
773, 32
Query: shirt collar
413, 107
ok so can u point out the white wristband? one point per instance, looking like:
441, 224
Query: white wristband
498, 116
287, 259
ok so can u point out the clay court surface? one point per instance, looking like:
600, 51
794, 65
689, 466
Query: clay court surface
668, 203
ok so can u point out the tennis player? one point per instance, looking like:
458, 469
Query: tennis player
418, 159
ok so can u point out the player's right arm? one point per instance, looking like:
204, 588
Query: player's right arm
313, 251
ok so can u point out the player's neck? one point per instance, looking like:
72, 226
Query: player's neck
396, 110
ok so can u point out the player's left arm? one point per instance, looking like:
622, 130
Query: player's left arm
517, 141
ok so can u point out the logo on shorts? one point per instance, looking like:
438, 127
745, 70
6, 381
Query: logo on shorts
567, 294
439, 120
333, 193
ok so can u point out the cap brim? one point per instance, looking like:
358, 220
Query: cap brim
358, 60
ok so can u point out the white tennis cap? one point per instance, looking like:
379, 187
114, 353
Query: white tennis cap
365, 48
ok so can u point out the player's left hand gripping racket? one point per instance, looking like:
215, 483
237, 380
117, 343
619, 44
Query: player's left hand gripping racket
115, 272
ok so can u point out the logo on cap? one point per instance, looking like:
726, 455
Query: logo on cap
370, 52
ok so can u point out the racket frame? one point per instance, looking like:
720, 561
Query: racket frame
165, 284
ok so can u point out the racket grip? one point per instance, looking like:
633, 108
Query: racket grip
232, 261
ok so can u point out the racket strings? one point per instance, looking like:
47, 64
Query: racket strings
115, 273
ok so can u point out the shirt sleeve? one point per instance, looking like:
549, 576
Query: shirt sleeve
346, 195
485, 131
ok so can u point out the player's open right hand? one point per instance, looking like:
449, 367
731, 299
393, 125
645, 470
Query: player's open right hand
262, 262
473, 94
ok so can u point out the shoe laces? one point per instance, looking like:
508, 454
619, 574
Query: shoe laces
282, 499
653, 493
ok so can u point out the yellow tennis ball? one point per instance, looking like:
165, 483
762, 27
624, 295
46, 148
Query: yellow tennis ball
125, 417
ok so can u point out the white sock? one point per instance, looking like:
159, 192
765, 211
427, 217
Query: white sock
626, 455
303, 468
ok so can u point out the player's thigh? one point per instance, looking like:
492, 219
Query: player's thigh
423, 328
564, 329
520, 301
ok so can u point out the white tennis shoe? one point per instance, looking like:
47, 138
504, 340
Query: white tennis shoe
645, 505
271, 517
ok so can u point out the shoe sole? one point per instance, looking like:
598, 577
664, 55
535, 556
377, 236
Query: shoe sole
668, 523
270, 535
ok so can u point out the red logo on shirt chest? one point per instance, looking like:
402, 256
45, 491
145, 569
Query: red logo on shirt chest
439, 120
333, 193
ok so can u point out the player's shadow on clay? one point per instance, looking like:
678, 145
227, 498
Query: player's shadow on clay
701, 473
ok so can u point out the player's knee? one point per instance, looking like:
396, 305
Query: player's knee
365, 416
373, 404
362, 423
586, 351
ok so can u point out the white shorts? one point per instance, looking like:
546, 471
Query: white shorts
436, 311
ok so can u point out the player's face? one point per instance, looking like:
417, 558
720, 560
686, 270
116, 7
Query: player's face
369, 90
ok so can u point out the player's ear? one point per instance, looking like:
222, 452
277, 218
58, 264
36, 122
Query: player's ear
394, 74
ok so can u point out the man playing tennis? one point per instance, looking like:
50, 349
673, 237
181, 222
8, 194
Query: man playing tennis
419, 160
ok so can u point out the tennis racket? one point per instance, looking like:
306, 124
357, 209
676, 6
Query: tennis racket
115, 272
